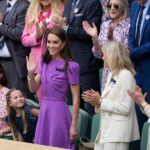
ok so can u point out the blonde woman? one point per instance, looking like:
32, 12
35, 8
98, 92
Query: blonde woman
38, 19
118, 124
116, 28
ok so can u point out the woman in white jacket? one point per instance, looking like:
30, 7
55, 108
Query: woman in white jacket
118, 123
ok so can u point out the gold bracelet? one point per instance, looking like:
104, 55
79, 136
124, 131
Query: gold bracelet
142, 106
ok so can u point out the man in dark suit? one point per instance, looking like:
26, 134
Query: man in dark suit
12, 53
139, 44
75, 12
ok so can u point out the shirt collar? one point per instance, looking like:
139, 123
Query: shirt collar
122, 22
12, 2
147, 3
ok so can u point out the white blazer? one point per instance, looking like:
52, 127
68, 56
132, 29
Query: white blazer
118, 121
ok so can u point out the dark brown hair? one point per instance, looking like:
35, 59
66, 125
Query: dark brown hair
65, 52
3, 80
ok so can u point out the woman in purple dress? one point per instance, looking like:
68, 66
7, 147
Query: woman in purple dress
55, 125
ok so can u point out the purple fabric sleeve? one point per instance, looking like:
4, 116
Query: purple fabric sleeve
73, 73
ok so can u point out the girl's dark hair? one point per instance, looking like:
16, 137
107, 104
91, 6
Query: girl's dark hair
3, 80
65, 52
12, 117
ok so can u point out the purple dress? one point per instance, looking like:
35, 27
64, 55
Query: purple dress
55, 118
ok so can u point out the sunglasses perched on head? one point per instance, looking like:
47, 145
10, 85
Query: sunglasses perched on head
116, 6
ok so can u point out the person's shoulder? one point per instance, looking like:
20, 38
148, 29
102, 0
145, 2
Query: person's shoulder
28, 107
24, 3
134, 4
126, 22
125, 74
106, 24
73, 65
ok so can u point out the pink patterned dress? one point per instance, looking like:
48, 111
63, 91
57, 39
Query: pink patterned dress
3, 111
120, 33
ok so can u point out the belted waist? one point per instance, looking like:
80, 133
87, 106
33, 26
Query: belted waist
54, 99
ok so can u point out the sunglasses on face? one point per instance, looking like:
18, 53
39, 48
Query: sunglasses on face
116, 6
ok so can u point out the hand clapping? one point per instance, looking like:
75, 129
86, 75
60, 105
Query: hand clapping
92, 97
137, 95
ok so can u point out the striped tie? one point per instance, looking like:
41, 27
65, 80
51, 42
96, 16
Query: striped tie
138, 29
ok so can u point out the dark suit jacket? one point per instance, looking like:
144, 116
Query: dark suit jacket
141, 55
81, 43
12, 29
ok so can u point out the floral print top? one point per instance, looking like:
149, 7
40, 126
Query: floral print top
3, 111
120, 33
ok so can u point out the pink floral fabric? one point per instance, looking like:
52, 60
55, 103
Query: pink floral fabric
3, 111
120, 33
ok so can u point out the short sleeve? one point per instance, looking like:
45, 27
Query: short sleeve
73, 73
28, 107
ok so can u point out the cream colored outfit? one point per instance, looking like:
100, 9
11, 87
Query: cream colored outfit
118, 124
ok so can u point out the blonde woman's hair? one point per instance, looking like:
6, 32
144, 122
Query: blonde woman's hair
35, 9
125, 8
117, 57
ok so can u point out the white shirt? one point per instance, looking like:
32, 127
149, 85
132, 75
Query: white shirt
4, 52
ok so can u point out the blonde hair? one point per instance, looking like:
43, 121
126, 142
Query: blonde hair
125, 8
35, 9
117, 57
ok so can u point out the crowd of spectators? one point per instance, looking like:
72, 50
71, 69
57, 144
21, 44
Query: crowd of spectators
52, 51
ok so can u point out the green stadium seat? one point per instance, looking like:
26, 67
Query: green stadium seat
144, 136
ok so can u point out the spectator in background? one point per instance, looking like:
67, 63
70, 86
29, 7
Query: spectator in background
105, 12
4, 127
12, 52
140, 99
38, 19
139, 44
75, 12
58, 71
116, 28
118, 125
104, 5
21, 116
